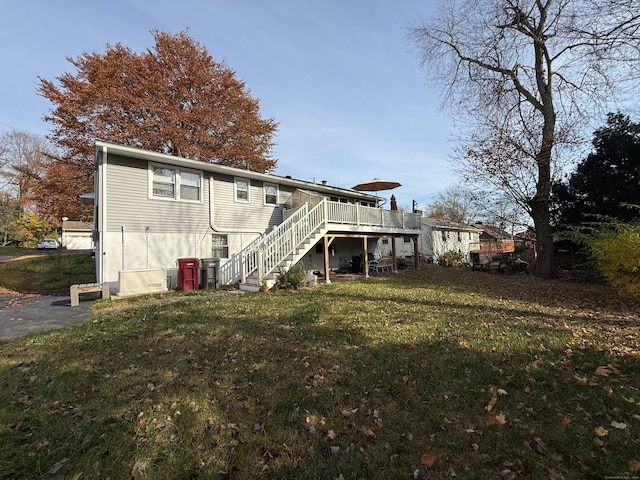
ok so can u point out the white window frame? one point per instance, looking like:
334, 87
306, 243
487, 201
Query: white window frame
236, 190
275, 187
222, 248
176, 183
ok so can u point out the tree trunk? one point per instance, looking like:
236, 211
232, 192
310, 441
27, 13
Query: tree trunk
544, 267
539, 204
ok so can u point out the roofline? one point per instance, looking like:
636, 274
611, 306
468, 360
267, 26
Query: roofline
450, 226
222, 169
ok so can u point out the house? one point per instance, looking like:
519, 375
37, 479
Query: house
440, 236
155, 214
77, 235
436, 237
493, 242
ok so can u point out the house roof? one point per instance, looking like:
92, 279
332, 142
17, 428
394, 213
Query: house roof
447, 225
493, 231
74, 225
102, 147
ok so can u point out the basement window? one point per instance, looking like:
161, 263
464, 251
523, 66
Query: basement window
219, 246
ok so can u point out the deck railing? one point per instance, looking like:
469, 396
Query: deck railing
265, 254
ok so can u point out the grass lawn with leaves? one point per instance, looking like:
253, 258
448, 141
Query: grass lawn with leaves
31, 271
424, 374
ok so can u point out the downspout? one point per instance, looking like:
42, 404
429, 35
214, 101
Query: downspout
215, 228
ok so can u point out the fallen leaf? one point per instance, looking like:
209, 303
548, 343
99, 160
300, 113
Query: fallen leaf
603, 371
613, 369
582, 381
335, 450
508, 474
566, 420
601, 431
409, 345
619, 425
428, 459
331, 435
634, 465
498, 419
58, 465
405, 378
368, 432
348, 411
502, 391
77, 476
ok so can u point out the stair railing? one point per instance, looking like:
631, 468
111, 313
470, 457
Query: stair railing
266, 254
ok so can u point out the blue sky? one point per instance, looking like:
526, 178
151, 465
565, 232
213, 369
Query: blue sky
340, 77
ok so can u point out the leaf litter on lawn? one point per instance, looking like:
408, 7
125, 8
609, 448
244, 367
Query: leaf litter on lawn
389, 378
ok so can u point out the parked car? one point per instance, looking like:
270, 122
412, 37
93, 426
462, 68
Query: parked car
47, 244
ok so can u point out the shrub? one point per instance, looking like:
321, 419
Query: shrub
293, 278
451, 258
617, 254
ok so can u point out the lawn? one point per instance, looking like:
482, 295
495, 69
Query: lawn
31, 271
425, 374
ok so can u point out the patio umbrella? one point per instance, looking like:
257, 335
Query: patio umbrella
376, 185
394, 204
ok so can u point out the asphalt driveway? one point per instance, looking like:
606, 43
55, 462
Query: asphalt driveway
22, 314
25, 313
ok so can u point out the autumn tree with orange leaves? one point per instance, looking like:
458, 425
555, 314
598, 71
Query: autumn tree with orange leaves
174, 99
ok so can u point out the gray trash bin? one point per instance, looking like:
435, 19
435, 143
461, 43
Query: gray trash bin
209, 273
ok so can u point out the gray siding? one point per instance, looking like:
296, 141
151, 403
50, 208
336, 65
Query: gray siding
128, 202
230, 215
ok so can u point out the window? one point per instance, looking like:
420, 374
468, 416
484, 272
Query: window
270, 194
190, 186
459, 237
175, 184
242, 190
385, 241
219, 246
164, 182
444, 236
407, 240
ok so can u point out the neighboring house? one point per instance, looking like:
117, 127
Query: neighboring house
77, 235
155, 211
436, 238
493, 242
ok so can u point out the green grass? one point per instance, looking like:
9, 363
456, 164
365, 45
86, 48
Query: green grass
46, 272
425, 373
13, 250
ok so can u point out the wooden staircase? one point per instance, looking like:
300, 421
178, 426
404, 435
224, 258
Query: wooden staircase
283, 247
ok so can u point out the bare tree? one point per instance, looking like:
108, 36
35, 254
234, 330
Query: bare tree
525, 73
23, 157
456, 204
